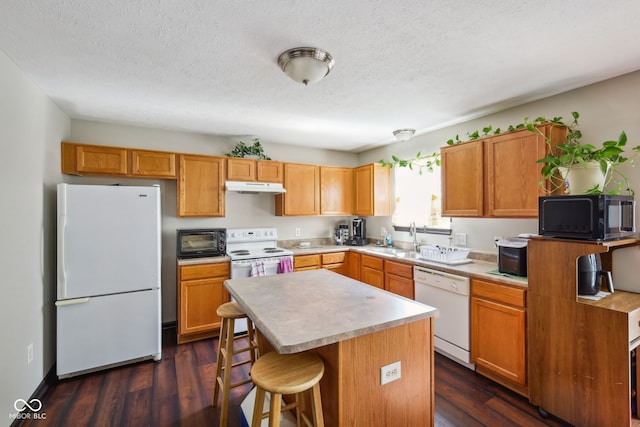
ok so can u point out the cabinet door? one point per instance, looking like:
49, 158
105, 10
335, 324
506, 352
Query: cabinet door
399, 285
372, 277
199, 300
498, 339
241, 169
201, 186
462, 179
512, 174
270, 171
302, 183
371, 190
101, 160
353, 265
336, 185
153, 164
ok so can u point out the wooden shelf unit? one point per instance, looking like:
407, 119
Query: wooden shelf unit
579, 350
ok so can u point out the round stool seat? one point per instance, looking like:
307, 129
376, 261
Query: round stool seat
230, 310
287, 373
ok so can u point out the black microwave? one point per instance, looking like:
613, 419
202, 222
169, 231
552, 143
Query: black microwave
199, 243
587, 216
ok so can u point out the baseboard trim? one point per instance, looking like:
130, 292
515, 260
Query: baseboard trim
47, 382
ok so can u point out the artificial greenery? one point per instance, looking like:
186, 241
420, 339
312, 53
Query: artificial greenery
244, 150
569, 154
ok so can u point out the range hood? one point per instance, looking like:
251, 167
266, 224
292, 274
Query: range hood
255, 187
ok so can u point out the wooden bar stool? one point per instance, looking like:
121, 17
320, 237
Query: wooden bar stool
287, 374
229, 312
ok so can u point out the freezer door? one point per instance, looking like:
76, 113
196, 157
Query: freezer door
93, 333
108, 239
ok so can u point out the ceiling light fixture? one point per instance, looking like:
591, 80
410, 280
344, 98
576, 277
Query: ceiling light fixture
403, 134
306, 65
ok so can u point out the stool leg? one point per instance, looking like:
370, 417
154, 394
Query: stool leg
226, 383
252, 341
257, 408
221, 344
274, 410
316, 406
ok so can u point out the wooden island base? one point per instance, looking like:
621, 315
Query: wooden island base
351, 390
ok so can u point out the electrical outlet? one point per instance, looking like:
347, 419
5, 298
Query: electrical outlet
29, 353
460, 239
298, 232
390, 372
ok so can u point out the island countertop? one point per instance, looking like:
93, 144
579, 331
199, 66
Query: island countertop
309, 309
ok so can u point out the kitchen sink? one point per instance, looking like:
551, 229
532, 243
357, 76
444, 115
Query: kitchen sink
397, 252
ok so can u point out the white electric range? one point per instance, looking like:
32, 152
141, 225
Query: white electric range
254, 252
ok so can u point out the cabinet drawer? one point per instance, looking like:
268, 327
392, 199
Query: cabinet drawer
634, 325
333, 258
399, 269
201, 271
372, 262
303, 261
499, 293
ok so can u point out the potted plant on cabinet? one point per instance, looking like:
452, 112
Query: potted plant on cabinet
255, 151
584, 168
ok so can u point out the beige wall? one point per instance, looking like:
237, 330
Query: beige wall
605, 109
31, 127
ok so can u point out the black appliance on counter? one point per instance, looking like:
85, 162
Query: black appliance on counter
202, 243
587, 216
358, 233
512, 256
590, 273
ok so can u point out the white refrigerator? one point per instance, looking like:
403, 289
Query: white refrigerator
108, 277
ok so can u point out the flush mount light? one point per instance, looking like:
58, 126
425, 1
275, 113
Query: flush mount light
306, 65
403, 134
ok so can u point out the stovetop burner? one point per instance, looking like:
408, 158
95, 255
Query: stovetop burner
272, 250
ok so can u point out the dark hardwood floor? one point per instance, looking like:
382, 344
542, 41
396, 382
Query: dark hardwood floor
177, 391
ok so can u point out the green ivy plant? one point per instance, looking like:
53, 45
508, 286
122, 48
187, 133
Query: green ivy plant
569, 154
244, 150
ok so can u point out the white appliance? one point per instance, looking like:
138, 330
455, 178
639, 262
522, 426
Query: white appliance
449, 293
108, 278
254, 251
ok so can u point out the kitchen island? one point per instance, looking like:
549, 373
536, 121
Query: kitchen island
357, 329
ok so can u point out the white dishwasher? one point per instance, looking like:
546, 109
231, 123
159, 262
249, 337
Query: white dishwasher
448, 293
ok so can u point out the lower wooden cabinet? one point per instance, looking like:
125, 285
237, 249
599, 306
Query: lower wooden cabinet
498, 333
352, 265
372, 271
200, 293
398, 278
334, 261
306, 262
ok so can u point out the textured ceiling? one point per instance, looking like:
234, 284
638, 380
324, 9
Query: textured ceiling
211, 66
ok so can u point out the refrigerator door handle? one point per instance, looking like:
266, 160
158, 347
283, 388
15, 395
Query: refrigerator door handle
62, 275
72, 301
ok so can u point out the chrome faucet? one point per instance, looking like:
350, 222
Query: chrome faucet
413, 232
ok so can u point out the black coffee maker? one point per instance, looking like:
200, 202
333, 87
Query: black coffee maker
590, 274
358, 233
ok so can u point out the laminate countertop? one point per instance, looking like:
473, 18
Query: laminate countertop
309, 309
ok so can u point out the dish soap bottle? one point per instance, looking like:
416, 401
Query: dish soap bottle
388, 240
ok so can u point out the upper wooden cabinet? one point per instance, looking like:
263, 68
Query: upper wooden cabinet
240, 169
302, 183
462, 179
200, 186
83, 159
153, 164
496, 176
372, 190
336, 187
